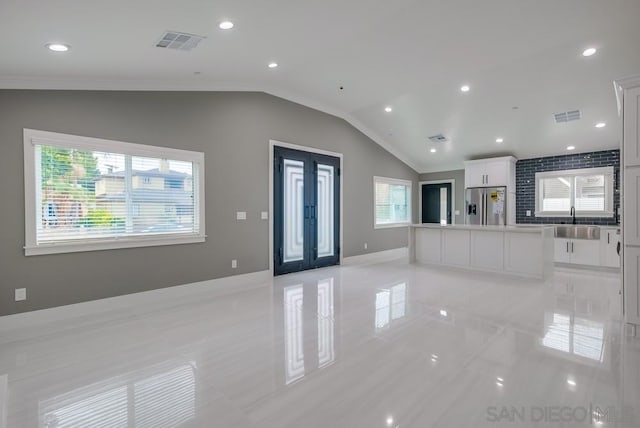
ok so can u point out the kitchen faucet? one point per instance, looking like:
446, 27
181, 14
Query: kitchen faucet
573, 214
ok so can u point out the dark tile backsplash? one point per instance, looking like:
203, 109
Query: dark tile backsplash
526, 187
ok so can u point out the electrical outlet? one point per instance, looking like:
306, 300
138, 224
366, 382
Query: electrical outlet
21, 294
264, 215
528, 213
457, 212
365, 246
234, 264
241, 215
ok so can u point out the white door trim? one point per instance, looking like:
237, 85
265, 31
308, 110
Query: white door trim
453, 197
272, 145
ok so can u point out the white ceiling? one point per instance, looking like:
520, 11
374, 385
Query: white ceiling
410, 54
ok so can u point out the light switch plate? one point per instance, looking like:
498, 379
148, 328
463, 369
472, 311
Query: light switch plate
528, 213
457, 212
21, 294
241, 215
264, 215
234, 263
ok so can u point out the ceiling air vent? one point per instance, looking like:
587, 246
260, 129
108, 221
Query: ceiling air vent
567, 116
438, 138
180, 41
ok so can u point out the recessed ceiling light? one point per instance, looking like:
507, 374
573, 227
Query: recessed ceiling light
389, 421
465, 88
589, 51
571, 148
226, 25
388, 109
273, 65
433, 151
571, 382
57, 47
499, 140
601, 125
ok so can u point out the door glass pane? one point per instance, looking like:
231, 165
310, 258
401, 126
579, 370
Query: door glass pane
443, 205
325, 210
293, 210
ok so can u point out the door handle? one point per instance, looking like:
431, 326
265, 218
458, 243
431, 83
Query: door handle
572, 247
306, 211
567, 246
608, 238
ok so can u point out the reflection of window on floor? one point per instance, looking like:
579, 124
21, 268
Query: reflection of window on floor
326, 351
390, 305
573, 335
166, 398
294, 347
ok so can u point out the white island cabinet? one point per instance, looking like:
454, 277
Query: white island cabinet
525, 251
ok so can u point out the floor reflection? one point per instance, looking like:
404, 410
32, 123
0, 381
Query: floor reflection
391, 304
299, 337
161, 396
574, 335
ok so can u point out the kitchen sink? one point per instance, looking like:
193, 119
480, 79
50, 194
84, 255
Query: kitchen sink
571, 231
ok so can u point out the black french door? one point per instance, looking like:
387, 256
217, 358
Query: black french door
306, 202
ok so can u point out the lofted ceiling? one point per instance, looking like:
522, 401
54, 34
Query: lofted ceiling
522, 59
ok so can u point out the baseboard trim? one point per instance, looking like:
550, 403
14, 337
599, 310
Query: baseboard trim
378, 256
219, 285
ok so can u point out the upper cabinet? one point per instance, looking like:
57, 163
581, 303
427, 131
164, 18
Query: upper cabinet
494, 172
630, 124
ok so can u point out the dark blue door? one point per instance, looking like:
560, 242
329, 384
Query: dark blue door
306, 210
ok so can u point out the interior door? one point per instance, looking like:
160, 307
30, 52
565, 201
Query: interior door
306, 210
436, 203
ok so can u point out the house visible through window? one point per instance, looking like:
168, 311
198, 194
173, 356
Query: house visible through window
392, 202
80, 196
589, 191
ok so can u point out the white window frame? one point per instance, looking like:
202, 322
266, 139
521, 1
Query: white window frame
392, 181
608, 173
34, 137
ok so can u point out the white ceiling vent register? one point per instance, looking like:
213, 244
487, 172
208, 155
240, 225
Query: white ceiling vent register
567, 116
439, 138
178, 40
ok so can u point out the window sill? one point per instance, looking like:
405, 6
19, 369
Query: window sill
598, 214
111, 244
391, 225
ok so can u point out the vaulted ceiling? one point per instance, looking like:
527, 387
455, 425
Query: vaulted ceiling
522, 60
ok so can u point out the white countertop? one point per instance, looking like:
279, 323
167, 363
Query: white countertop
524, 228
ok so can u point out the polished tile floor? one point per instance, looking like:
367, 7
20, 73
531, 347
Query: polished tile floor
378, 345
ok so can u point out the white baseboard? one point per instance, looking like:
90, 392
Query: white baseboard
379, 256
218, 286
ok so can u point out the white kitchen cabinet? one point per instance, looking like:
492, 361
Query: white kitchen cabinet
428, 245
561, 251
628, 95
609, 241
493, 172
577, 251
487, 250
455, 248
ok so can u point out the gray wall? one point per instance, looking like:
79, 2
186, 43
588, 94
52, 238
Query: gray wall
233, 130
457, 175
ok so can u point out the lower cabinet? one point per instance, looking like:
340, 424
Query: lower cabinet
455, 248
589, 252
609, 242
632, 278
487, 250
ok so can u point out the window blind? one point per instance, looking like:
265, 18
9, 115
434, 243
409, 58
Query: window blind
89, 195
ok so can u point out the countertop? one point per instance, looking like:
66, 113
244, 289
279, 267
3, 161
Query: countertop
533, 228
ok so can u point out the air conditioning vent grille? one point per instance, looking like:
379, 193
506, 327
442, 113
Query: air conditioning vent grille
179, 41
439, 138
567, 116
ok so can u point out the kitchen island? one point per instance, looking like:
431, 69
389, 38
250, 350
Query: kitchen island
518, 250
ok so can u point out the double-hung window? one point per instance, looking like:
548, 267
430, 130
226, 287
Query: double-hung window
589, 191
84, 194
392, 205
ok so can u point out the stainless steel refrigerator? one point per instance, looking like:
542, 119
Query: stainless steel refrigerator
486, 206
